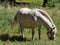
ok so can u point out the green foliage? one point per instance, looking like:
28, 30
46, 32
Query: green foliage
34, 3
5, 4
52, 3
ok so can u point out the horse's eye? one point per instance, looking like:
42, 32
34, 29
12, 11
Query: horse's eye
53, 33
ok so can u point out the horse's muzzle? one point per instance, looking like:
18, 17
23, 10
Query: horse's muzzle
51, 38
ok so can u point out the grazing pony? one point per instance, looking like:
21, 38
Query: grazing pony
32, 18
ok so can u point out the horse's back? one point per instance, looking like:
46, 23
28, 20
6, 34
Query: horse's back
25, 10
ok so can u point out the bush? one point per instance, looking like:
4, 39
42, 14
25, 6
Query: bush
52, 3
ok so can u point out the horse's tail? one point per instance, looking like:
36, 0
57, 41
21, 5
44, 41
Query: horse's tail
14, 22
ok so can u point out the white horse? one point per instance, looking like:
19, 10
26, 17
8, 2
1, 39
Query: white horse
32, 18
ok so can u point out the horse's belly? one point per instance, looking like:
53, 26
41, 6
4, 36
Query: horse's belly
28, 22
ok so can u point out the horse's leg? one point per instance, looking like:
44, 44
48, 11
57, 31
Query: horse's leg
22, 31
39, 31
32, 33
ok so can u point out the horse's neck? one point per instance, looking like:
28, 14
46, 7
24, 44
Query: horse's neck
45, 14
46, 21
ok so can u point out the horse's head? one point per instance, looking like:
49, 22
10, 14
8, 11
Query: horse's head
51, 33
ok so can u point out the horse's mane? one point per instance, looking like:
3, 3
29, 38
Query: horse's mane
46, 15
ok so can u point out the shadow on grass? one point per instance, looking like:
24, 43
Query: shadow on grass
5, 37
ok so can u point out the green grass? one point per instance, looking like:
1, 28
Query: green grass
6, 19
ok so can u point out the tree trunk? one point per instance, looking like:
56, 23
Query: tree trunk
2, 0
44, 3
